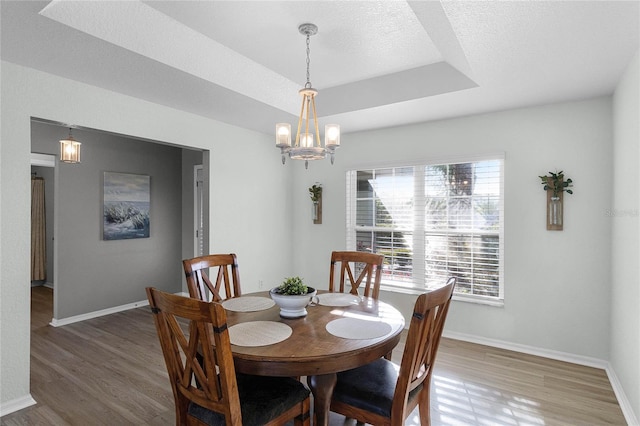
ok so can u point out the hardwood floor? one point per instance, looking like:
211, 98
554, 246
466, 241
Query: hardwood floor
110, 371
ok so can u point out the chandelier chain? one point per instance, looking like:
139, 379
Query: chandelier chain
308, 84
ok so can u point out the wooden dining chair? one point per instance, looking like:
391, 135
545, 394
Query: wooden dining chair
367, 267
224, 268
206, 388
380, 393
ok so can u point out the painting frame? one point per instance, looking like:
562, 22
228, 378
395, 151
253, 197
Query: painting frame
126, 205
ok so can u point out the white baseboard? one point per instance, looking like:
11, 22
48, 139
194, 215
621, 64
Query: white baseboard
96, 314
83, 317
531, 350
17, 404
625, 406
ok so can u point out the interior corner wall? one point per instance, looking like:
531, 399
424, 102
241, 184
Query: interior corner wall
93, 274
557, 283
624, 217
249, 191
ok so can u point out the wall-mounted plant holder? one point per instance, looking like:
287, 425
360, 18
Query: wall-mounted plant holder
555, 186
554, 211
315, 191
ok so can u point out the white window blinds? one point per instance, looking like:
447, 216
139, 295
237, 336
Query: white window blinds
432, 221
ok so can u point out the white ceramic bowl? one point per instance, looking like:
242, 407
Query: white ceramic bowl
292, 306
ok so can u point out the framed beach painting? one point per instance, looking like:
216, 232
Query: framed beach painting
126, 202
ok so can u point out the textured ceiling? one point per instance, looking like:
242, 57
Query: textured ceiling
375, 63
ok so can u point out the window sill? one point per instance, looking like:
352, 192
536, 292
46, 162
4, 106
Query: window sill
480, 300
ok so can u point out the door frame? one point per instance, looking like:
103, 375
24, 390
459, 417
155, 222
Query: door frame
198, 210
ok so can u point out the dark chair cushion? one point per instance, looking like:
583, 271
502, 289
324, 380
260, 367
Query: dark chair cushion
262, 399
370, 387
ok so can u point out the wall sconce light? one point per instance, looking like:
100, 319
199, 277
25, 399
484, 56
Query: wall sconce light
70, 149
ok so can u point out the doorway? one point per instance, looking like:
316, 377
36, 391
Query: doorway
43, 170
198, 209
78, 216
43, 174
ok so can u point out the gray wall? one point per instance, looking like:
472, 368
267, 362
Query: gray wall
93, 274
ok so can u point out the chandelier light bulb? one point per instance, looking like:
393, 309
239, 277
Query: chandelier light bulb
306, 140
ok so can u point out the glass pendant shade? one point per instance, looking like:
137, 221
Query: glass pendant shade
306, 140
332, 135
70, 150
283, 135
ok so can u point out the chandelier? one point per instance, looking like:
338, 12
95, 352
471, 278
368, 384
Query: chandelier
305, 148
70, 149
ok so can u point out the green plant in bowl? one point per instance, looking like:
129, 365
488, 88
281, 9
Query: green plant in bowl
292, 296
292, 286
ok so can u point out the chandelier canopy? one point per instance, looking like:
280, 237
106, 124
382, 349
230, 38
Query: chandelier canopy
305, 148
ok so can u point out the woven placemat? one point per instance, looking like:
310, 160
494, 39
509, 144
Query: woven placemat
259, 333
248, 304
354, 328
338, 299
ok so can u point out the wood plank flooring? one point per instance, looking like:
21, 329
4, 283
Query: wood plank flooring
110, 371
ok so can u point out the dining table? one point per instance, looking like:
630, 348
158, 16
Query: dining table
340, 331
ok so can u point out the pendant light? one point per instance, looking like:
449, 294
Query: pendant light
307, 145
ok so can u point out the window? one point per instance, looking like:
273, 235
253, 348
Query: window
432, 221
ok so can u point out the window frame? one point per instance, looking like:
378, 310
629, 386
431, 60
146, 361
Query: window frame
352, 228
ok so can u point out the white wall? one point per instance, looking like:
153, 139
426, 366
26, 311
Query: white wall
249, 188
557, 283
625, 250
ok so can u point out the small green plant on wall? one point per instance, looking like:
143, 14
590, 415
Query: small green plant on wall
315, 192
555, 185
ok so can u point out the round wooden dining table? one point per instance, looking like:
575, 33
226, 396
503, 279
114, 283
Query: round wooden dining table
317, 347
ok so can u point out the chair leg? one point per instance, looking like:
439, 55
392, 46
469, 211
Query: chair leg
388, 356
303, 419
424, 405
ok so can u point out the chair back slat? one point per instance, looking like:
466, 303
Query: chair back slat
354, 392
227, 277
200, 362
367, 267
423, 340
